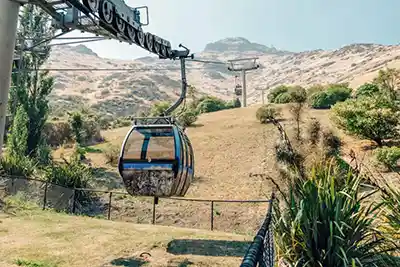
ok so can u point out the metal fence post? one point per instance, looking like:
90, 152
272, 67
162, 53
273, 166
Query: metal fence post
73, 201
155, 202
12, 185
212, 216
45, 195
109, 206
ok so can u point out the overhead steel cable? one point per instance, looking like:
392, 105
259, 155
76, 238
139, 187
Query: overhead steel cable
105, 69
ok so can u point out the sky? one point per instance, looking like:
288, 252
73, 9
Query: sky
294, 25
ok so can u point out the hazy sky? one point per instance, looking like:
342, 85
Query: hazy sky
294, 25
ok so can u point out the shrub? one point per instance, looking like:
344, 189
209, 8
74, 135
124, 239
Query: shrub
267, 112
71, 174
388, 156
16, 165
187, 118
298, 94
329, 97
367, 89
331, 143
274, 93
374, 118
283, 98
57, 133
112, 154
314, 131
211, 104
159, 108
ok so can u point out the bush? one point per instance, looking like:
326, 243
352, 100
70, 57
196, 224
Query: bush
57, 133
112, 154
283, 98
314, 131
187, 118
367, 89
329, 97
374, 118
298, 94
388, 156
331, 143
274, 93
16, 165
211, 104
159, 108
267, 112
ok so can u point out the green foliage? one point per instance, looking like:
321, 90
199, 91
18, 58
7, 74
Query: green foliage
391, 199
283, 98
374, 118
16, 165
388, 156
267, 112
275, 92
367, 89
43, 153
298, 94
211, 104
72, 174
327, 221
17, 141
388, 81
32, 263
187, 118
330, 96
314, 131
159, 108
112, 155
76, 121
331, 143
31, 89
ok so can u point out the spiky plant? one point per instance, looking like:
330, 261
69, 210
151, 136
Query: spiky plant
325, 218
326, 222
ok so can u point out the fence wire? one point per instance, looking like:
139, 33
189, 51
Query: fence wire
240, 216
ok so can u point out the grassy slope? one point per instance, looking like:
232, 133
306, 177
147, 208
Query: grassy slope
228, 145
60, 240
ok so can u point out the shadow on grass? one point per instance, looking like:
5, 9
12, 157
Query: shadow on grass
128, 262
205, 247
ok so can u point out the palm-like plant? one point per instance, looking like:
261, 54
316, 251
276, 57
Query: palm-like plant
325, 219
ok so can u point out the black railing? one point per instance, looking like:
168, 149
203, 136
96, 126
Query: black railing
262, 251
58, 197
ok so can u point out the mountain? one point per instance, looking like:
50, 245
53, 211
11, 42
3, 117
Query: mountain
150, 79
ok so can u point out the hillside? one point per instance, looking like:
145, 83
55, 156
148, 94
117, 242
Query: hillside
48, 239
229, 147
126, 92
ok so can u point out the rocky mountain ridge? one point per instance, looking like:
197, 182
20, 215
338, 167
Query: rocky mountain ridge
150, 79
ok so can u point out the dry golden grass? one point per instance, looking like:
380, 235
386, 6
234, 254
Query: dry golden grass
59, 240
229, 145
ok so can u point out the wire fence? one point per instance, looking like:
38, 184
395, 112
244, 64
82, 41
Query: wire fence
241, 216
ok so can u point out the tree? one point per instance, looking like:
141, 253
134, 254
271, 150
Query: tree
31, 88
298, 95
17, 142
388, 81
76, 121
374, 118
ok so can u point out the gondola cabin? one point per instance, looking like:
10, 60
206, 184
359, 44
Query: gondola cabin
156, 160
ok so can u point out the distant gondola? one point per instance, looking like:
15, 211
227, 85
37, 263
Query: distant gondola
156, 160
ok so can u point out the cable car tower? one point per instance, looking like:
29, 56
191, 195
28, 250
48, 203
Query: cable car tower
243, 65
